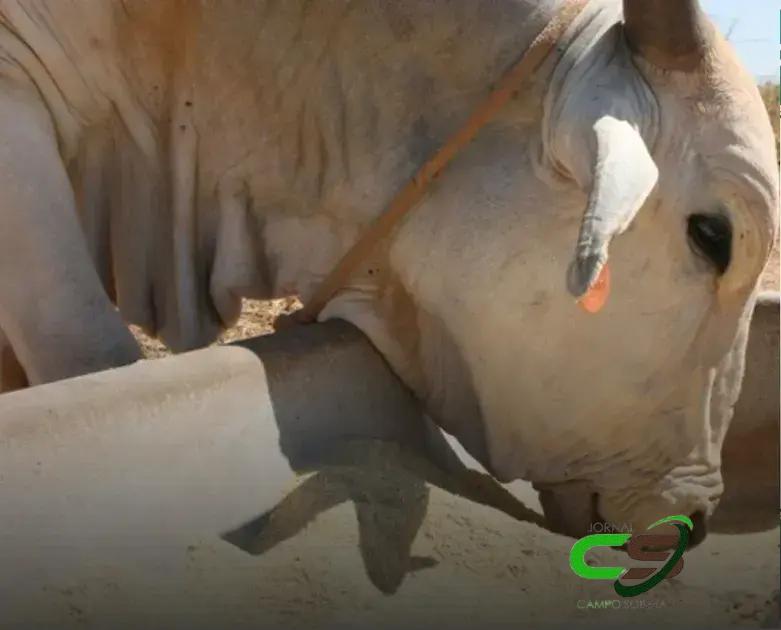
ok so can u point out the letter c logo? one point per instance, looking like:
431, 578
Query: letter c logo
577, 556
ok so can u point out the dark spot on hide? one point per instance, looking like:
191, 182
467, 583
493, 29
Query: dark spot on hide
421, 144
540, 297
401, 26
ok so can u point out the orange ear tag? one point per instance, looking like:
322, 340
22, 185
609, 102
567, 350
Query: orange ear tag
596, 297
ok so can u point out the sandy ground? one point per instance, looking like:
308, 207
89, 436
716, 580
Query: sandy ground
133, 509
256, 319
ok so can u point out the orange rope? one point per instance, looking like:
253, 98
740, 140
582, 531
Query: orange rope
409, 196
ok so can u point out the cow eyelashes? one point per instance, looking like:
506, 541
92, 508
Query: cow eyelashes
711, 236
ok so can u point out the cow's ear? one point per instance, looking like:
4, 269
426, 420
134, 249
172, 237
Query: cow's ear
623, 176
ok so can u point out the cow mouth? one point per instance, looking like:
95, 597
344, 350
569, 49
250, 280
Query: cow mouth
577, 515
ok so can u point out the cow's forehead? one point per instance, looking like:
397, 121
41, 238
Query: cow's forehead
739, 157
716, 119
721, 90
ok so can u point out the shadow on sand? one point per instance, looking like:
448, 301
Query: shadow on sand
380, 456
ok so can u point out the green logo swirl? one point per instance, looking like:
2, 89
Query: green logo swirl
684, 526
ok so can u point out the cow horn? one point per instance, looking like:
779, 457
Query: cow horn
670, 34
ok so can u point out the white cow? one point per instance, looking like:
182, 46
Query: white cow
213, 150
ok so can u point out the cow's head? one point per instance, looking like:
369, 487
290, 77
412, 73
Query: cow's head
655, 158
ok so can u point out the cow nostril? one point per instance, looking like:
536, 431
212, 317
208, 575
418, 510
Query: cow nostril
700, 530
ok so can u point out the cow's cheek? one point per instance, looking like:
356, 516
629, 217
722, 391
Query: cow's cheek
567, 391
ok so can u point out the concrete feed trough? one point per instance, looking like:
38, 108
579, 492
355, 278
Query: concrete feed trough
292, 482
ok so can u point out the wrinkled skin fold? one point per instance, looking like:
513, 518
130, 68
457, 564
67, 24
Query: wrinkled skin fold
172, 157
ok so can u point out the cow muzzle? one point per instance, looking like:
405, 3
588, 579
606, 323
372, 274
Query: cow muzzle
572, 509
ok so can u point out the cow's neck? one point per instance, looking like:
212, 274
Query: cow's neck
370, 96
408, 81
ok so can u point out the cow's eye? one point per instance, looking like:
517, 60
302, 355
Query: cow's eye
711, 236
